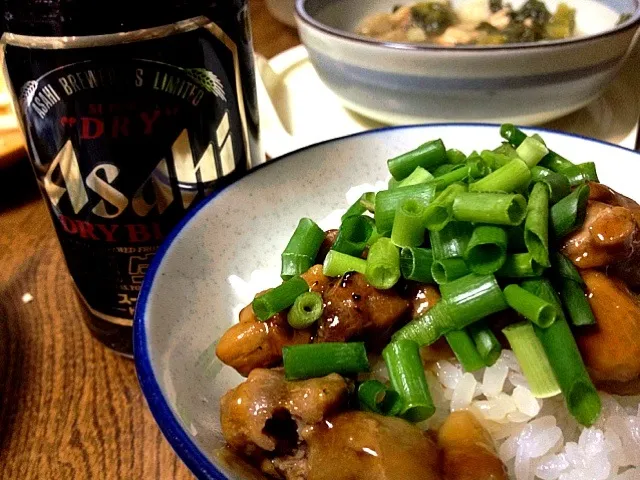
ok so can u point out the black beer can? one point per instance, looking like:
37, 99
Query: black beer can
133, 112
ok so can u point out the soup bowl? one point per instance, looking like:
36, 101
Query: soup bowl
524, 83
228, 249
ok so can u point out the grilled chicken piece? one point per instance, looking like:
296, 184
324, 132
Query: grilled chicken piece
611, 349
253, 344
467, 450
355, 308
423, 298
360, 445
610, 235
352, 308
265, 411
604, 194
316, 280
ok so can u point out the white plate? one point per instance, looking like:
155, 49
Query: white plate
199, 277
308, 112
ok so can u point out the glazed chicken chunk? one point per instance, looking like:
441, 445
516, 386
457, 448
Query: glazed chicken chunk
361, 445
353, 308
467, 450
264, 411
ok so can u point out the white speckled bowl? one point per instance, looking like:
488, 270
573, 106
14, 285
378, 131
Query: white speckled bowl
197, 281
524, 83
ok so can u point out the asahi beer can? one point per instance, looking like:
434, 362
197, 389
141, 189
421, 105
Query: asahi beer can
133, 112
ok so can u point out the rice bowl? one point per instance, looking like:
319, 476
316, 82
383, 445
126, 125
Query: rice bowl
203, 429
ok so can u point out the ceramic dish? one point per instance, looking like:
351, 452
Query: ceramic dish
285, 104
199, 278
409, 83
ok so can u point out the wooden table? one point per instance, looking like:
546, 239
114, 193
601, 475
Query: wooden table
69, 408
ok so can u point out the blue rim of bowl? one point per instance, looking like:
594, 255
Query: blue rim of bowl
305, 17
169, 424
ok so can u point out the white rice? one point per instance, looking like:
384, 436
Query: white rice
537, 439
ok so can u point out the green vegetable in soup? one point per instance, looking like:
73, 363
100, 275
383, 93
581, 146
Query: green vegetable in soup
528, 24
623, 18
433, 17
535, 10
562, 24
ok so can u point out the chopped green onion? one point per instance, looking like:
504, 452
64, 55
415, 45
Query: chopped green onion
459, 173
418, 176
355, 210
377, 398
374, 236
530, 306
512, 134
562, 351
520, 265
337, 264
321, 359
557, 163
495, 160
455, 156
448, 247
430, 326
486, 342
589, 171
448, 269
306, 310
574, 175
383, 264
509, 178
408, 224
446, 168
486, 251
516, 239
571, 286
551, 160
531, 151
564, 268
492, 208
465, 350
569, 213
465, 301
415, 264
367, 200
477, 168
300, 253
353, 235
428, 156
557, 184
440, 212
274, 301
506, 150
387, 201
473, 298
536, 226
576, 303
451, 241
532, 359
407, 377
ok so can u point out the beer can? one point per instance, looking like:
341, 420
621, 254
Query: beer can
133, 113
